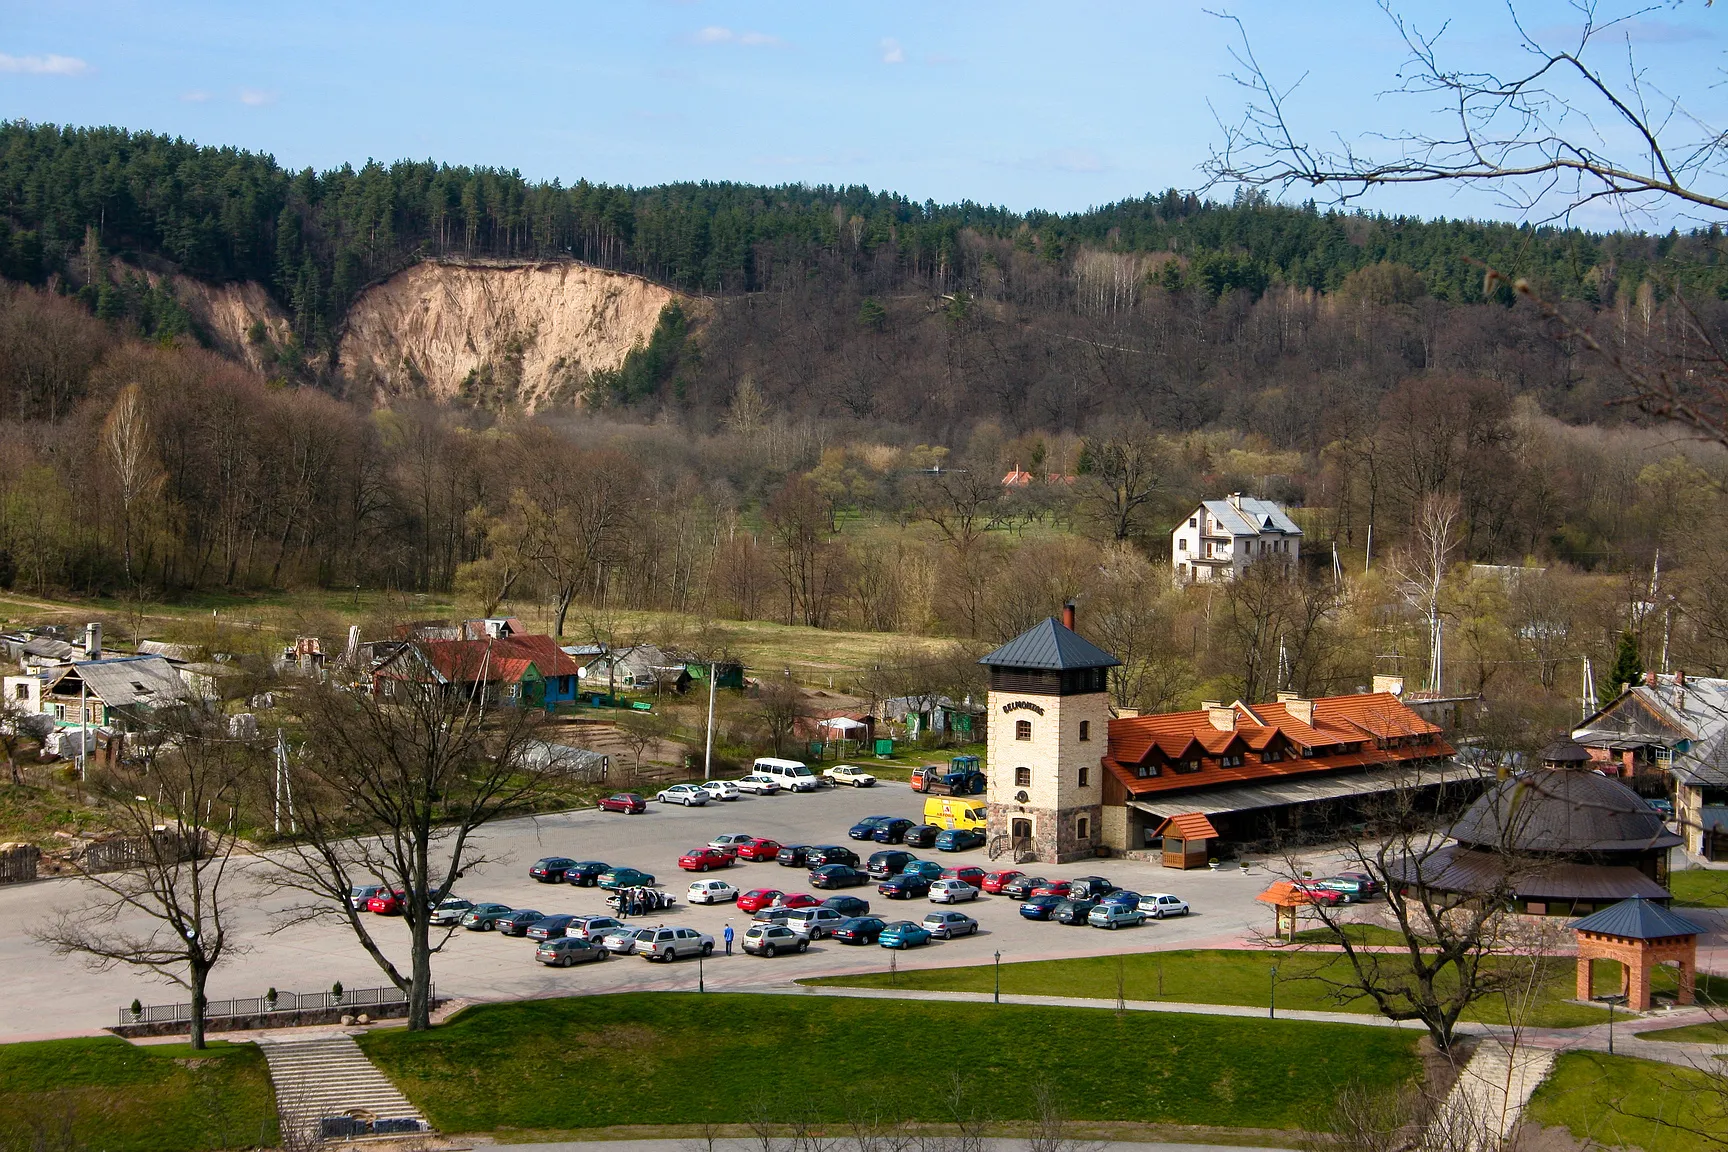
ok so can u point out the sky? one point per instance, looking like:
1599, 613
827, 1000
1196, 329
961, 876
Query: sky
1058, 106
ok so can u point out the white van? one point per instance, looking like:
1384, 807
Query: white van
792, 774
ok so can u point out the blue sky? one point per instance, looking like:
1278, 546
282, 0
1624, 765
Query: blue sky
1057, 106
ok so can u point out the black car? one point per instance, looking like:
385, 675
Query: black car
921, 835
865, 829
1090, 887
889, 863
550, 928
793, 856
1021, 886
859, 930
892, 832
550, 869
519, 921
905, 886
1073, 911
838, 876
586, 873
848, 905
821, 854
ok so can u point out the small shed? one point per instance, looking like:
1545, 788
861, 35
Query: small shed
1286, 897
1639, 934
1188, 838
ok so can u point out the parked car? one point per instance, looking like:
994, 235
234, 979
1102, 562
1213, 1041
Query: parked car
904, 934
622, 941
705, 859
959, 839
848, 906
758, 784
710, 892
730, 842
928, 869
518, 922
904, 886
359, 894
797, 900
966, 873
626, 878
1089, 887
882, 865
759, 849
947, 925
1330, 897
1073, 911
689, 795
593, 927
1039, 907
630, 803
1122, 897
952, 892
793, 856
1371, 887
550, 927
387, 902
567, 950
850, 774
669, 944
483, 917
921, 836
865, 829
893, 832
758, 898
993, 881
1022, 886
837, 876
820, 854
586, 873
1113, 916
450, 911
773, 914
859, 930
1161, 904
1057, 888
1352, 888
814, 923
793, 775
773, 939
550, 869
720, 789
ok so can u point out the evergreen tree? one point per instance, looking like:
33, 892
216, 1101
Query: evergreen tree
1628, 669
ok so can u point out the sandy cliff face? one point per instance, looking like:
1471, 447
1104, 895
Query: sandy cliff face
494, 333
227, 313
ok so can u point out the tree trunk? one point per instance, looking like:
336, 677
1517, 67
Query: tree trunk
564, 596
200, 974
420, 979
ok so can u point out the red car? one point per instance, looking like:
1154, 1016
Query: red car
1330, 897
797, 900
970, 873
702, 859
387, 903
759, 849
758, 898
629, 803
1054, 888
993, 881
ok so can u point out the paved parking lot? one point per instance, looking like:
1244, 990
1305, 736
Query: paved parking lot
49, 995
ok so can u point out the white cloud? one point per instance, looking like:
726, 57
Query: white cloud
49, 65
256, 97
715, 34
196, 96
892, 53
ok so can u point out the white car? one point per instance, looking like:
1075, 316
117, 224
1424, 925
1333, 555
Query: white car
952, 892
850, 774
813, 923
1161, 904
689, 795
711, 892
759, 784
730, 841
721, 790
623, 942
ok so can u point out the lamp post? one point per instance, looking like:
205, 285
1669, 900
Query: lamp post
998, 976
700, 985
1610, 1025
1272, 1005
708, 744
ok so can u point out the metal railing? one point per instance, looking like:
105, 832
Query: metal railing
355, 998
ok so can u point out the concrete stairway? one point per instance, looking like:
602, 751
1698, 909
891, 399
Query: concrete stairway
1488, 1100
329, 1076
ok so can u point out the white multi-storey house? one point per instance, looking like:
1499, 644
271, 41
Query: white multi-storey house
1220, 538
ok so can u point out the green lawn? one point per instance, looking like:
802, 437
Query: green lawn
1699, 888
1611, 1101
1715, 1032
1202, 977
107, 1094
646, 1059
1357, 934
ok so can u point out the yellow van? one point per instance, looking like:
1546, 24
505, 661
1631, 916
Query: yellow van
955, 812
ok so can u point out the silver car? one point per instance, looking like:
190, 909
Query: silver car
813, 923
669, 944
360, 893
689, 795
625, 941
947, 925
952, 892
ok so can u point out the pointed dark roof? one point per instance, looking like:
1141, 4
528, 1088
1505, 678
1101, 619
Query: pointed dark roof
1048, 646
1637, 919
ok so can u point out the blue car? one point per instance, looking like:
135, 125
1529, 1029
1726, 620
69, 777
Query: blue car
1123, 897
866, 828
894, 831
929, 869
903, 934
959, 839
905, 886
1040, 907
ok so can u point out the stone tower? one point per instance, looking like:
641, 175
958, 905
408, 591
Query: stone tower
1049, 715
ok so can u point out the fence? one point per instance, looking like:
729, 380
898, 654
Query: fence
355, 998
18, 863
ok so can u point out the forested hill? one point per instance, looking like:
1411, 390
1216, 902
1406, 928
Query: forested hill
314, 239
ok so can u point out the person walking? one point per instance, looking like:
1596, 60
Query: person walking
728, 937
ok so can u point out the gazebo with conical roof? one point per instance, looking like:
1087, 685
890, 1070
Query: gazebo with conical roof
1639, 935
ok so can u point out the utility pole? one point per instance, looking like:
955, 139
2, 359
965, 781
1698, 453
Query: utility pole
708, 748
998, 995
1272, 1008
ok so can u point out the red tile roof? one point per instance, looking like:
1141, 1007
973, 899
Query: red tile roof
1188, 826
505, 659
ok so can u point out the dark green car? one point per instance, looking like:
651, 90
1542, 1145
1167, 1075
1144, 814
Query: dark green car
626, 878
485, 917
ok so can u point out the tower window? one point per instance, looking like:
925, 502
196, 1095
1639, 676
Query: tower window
1022, 777
1083, 828
1085, 777
1085, 729
1022, 729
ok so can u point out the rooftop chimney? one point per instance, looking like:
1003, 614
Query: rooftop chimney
1068, 615
93, 641
1235, 499
1650, 679
1223, 719
1301, 710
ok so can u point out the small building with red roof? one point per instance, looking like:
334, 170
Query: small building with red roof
512, 668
